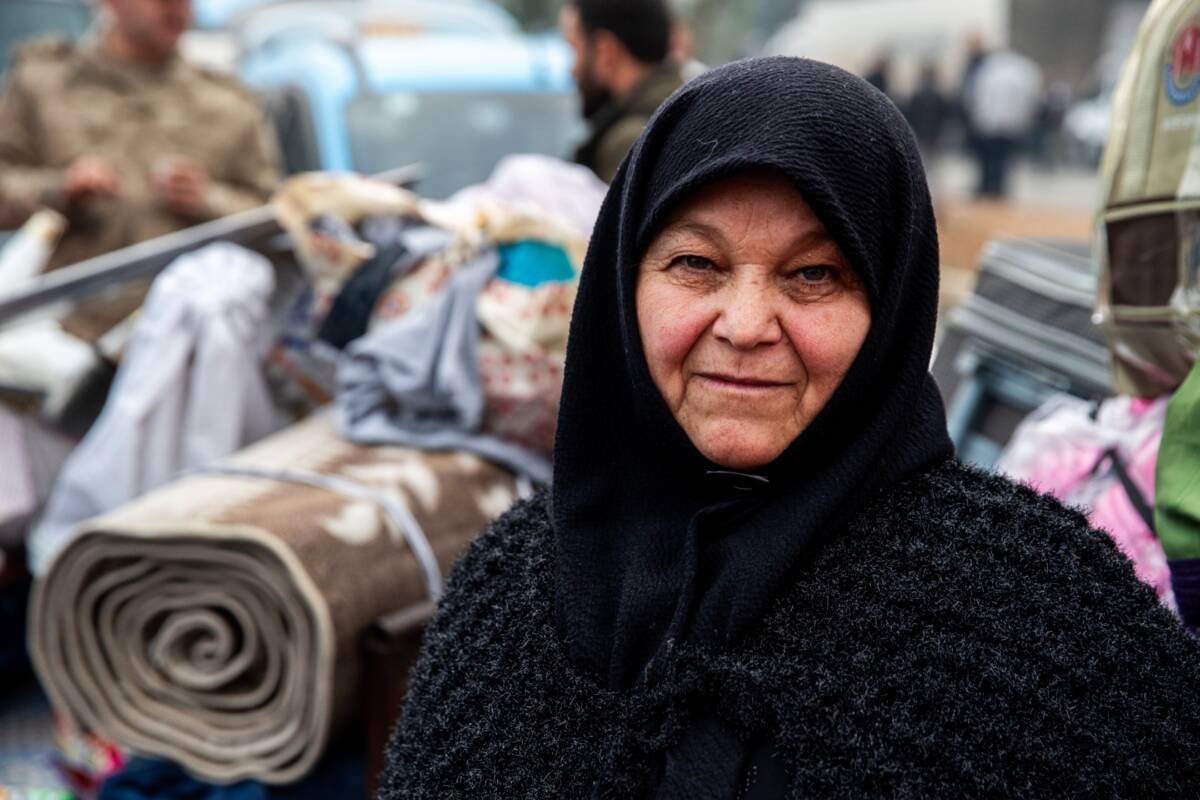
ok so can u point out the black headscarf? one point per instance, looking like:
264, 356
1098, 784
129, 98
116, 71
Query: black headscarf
652, 543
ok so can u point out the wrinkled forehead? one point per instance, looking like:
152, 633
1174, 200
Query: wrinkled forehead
813, 213
755, 211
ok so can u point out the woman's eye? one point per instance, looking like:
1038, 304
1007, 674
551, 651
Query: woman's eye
699, 263
814, 274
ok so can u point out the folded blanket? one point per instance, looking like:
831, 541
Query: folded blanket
215, 621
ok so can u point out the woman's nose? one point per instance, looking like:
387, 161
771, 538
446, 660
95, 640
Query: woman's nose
748, 316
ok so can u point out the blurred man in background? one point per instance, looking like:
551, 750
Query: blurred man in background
927, 110
125, 138
623, 70
880, 73
1003, 107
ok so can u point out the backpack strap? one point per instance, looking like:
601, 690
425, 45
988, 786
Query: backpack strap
1144, 510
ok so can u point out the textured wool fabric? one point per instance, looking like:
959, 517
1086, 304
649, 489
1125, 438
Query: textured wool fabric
649, 547
961, 636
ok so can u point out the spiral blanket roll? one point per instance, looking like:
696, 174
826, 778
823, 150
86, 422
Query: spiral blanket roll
215, 621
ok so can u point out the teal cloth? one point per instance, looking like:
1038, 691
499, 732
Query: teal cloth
532, 263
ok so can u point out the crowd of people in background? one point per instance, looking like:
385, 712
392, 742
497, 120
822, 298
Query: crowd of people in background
999, 110
121, 174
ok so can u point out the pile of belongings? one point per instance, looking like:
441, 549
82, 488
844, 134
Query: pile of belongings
447, 322
1025, 333
214, 621
204, 603
1132, 462
42, 369
1142, 487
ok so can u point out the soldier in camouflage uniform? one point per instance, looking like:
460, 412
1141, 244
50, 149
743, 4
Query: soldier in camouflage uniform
124, 137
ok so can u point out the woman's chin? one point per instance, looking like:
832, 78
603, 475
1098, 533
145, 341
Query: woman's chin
741, 453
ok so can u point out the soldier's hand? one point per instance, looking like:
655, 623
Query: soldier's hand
89, 176
182, 186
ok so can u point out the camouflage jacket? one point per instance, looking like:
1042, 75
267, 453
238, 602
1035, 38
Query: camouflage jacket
63, 101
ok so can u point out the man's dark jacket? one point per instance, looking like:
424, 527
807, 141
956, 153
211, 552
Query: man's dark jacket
616, 126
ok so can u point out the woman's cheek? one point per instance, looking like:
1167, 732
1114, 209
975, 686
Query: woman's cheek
671, 331
828, 339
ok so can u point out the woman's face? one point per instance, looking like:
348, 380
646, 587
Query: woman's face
750, 317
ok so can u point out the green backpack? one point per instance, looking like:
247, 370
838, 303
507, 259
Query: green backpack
1148, 303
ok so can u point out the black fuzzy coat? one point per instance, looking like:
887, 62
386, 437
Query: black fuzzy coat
964, 636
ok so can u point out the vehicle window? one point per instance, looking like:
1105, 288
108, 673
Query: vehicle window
458, 136
28, 19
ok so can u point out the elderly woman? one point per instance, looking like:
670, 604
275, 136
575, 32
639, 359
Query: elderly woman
760, 572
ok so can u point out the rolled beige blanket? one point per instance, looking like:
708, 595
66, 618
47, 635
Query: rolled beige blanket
215, 622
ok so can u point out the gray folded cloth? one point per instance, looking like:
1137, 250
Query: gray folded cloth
415, 382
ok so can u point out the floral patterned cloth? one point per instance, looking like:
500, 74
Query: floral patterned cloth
523, 328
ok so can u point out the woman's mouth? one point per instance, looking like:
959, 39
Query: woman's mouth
743, 382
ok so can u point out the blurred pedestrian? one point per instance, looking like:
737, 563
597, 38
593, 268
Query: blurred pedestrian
624, 72
976, 52
927, 110
879, 75
124, 137
1047, 143
1003, 107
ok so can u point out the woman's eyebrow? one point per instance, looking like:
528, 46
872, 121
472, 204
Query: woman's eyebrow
811, 239
686, 226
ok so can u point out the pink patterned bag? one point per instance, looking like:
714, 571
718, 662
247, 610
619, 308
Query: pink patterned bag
1101, 459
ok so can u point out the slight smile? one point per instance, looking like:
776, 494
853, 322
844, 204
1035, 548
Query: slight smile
736, 383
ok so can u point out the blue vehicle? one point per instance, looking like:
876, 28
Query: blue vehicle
21, 20
368, 86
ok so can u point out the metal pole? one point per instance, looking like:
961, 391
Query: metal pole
147, 259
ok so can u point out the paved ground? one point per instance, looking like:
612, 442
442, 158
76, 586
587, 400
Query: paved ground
1065, 189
